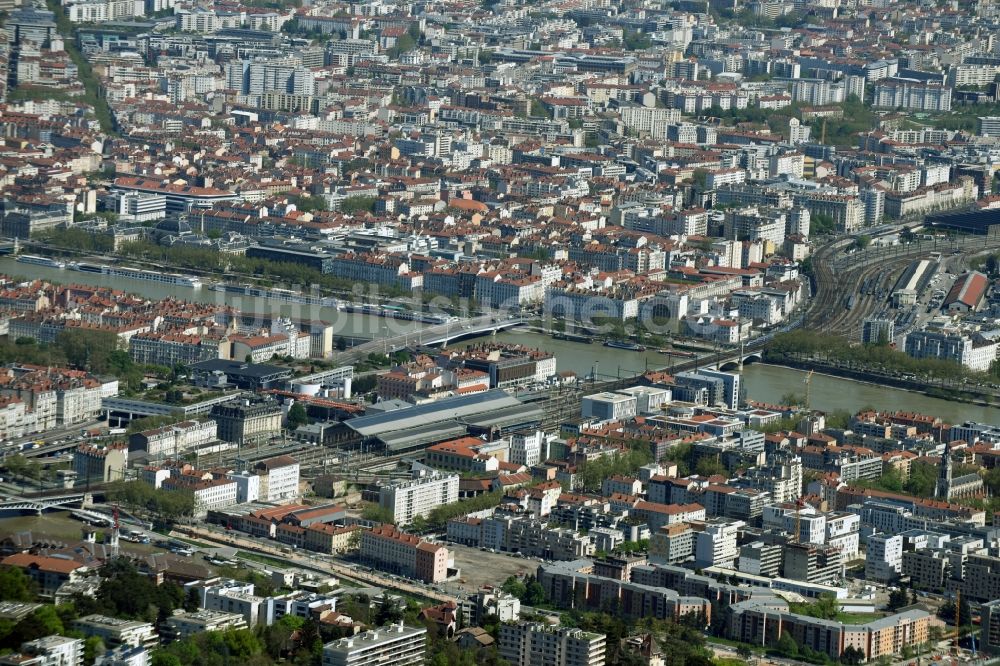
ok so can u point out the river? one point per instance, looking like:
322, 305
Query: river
766, 383
344, 323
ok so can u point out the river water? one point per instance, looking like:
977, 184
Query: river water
344, 323
766, 383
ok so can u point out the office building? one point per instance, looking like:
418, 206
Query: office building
609, 406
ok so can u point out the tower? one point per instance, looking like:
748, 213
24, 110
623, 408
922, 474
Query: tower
942, 490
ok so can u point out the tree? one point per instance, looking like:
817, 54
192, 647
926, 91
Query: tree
709, 466
192, 601
44, 621
297, 416
93, 647
947, 613
15, 585
88, 349
307, 203
242, 643
534, 593
897, 599
388, 611
378, 514
787, 647
744, 652
352, 205
514, 587
852, 656
538, 109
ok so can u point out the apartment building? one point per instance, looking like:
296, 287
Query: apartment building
389, 549
49, 651
114, 632
102, 11
55, 396
466, 454
658, 591
884, 557
491, 602
173, 440
418, 497
247, 420
100, 464
990, 627
760, 559
262, 348
183, 625
326, 538
649, 120
971, 350
395, 644
715, 545
764, 623
813, 563
528, 448
672, 544
171, 348
894, 93
536, 539
279, 478
48, 573
537, 644
233, 597
208, 494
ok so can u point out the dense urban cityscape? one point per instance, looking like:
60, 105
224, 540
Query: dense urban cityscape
499, 332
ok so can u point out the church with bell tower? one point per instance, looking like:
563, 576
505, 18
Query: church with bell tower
942, 489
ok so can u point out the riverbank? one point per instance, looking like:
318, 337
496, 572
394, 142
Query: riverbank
958, 395
764, 382
271, 279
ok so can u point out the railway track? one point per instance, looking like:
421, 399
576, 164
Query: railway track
837, 306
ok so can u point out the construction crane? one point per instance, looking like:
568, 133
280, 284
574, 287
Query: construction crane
808, 382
